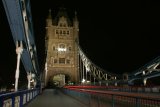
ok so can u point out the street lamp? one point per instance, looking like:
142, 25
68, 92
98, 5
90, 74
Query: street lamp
83, 80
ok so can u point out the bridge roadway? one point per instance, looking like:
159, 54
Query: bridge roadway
54, 98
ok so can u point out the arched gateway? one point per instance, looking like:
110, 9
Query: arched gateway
61, 48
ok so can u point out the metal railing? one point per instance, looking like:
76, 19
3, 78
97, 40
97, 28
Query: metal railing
99, 98
18, 99
139, 89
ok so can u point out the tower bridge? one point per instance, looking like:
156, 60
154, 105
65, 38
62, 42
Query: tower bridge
66, 63
64, 56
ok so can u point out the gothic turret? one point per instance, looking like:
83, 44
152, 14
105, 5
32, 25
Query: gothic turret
49, 19
75, 21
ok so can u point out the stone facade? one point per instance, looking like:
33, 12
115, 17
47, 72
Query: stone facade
61, 46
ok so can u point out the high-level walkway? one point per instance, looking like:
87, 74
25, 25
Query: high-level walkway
54, 98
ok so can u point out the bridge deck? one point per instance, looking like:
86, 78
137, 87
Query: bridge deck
54, 98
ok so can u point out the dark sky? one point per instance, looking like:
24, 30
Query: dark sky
118, 36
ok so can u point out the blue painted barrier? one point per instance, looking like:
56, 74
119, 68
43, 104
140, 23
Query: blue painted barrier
19, 98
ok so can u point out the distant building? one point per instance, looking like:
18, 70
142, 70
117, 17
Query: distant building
61, 48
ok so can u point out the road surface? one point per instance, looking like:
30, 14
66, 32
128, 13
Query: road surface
54, 98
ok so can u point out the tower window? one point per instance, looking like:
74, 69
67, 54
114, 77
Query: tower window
64, 32
55, 61
57, 32
54, 48
60, 31
62, 46
68, 61
61, 60
67, 32
70, 49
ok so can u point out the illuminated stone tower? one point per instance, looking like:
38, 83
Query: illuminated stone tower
61, 48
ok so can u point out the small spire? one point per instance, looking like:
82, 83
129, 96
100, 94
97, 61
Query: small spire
50, 10
75, 17
75, 13
75, 20
49, 13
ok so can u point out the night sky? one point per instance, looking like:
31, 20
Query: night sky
118, 36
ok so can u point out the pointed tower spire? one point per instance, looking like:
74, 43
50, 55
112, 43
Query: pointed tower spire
49, 14
75, 18
76, 27
75, 21
49, 19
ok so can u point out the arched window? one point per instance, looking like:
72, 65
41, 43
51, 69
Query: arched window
55, 61
54, 48
62, 48
60, 31
57, 32
69, 48
67, 32
64, 32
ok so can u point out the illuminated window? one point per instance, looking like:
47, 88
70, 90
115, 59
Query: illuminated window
61, 48
61, 60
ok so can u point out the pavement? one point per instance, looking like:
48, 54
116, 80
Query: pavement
54, 98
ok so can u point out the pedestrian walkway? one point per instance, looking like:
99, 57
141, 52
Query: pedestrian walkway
54, 98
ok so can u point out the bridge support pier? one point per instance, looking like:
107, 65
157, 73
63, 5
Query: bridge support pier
19, 51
